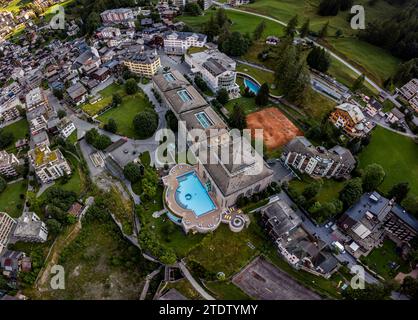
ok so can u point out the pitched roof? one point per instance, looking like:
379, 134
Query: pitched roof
282, 218
169, 80
240, 170
354, 111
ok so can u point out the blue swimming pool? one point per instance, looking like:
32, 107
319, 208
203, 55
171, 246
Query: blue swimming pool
192, 195
251, 85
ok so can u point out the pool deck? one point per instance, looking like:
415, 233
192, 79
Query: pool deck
190, 221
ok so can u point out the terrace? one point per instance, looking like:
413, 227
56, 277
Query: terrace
197, 218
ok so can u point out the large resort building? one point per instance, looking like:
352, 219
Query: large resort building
226, 166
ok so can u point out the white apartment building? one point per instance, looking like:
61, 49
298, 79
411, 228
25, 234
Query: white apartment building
179, 3
410, 89
36, 98
9, 110
49, 165
30, 228
7, 224
8, 163
236, 3
216, 68
66, 127
38, 124
410, 92
177, 43
109, 32
120, 15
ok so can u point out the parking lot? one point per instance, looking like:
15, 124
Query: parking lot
263, 281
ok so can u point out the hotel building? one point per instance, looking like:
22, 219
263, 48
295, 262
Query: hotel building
144, 63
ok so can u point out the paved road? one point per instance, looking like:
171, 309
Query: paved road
351, 67
147, 282
193, 282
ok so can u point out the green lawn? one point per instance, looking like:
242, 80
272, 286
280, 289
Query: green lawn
169, 234
14, 5
328, 192
382, 63
240, 22
106, 94
19, 130
226, 290
378, 63
397, 155
124, 114
317, 105
226, 251
10, 198
247, 103
73, 137
260, 75
100, 265
75, 183
380, 258
284, 10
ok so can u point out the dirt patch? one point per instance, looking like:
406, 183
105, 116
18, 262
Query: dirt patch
277, 128
262, 280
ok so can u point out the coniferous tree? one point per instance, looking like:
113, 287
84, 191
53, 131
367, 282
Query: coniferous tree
358, 84
291, 28
399, 191
238, 119
324, 31
259, 30
304, 30
319, 59
262, 97
329, 7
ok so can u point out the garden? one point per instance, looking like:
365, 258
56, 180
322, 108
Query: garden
397, 155
386, 260
13, 197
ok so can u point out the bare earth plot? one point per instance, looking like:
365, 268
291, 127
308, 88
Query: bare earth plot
263, 281
277, 129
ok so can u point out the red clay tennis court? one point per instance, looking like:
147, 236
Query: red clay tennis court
277, 129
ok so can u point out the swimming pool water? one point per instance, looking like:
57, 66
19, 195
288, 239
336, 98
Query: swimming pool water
204, 120
192, 195
252, 86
